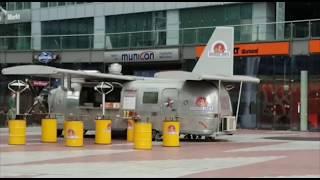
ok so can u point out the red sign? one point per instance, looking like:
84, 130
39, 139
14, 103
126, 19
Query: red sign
40, 83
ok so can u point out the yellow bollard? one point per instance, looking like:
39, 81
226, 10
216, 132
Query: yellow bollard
17, 131
49, 130
143, 135
103, 131
171, 133
130, 130
74, 133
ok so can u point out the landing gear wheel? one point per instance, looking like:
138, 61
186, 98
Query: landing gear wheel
156, 135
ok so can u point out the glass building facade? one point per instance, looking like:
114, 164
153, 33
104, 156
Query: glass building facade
77, 34
138, 22
69, 28
14, 42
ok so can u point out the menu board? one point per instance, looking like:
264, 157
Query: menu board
129, 102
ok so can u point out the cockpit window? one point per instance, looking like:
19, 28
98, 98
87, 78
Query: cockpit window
150, 98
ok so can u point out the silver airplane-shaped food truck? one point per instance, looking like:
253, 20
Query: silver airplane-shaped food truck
198, 99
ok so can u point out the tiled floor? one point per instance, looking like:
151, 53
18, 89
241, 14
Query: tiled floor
244, 154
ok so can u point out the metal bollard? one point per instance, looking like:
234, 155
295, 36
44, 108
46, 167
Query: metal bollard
103, 131
171, 133
17, 131
49, 130
130, 130
74, 133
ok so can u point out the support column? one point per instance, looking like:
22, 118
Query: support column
99, 31
173, 23
304, 101
35, 26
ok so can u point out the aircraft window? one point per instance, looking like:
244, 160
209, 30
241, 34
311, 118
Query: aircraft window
150, 98
89, 96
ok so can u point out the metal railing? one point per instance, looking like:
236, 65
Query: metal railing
244, 33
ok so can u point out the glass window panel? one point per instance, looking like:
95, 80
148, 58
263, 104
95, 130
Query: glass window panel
19, 5
44, 4
11, 6
52, 4
27, 5
150, 98
61, 3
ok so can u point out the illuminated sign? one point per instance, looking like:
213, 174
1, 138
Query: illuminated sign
254, 49
149, 55
46, 57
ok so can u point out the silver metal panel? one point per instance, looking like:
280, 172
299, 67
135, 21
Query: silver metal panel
36, 15
97, 56
75, 56
62, 12
89, 10
80, 12
146, 55
188, 53
113, 8
300, 47
19, 57
98, 9
53, 13
71, 12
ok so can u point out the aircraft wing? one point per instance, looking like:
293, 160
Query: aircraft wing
182, 75
46, 71
233, 78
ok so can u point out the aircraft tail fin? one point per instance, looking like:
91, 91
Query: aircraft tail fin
217, 57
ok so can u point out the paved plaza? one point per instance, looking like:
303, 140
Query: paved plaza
247, 153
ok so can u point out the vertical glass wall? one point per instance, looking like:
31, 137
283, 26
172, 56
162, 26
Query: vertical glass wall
77, 34
147, 21
15, 30
54, 4
276, 99
214, 16
12, 6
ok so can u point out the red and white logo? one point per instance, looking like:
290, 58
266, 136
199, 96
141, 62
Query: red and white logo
201, 102
172, 129
219, 49
130, 125
71, 134
108, 129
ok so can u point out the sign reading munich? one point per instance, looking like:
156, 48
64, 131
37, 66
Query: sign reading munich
149, 55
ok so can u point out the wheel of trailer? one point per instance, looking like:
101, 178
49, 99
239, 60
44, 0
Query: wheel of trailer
187, 137
59, 132
209, 138
156, 135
